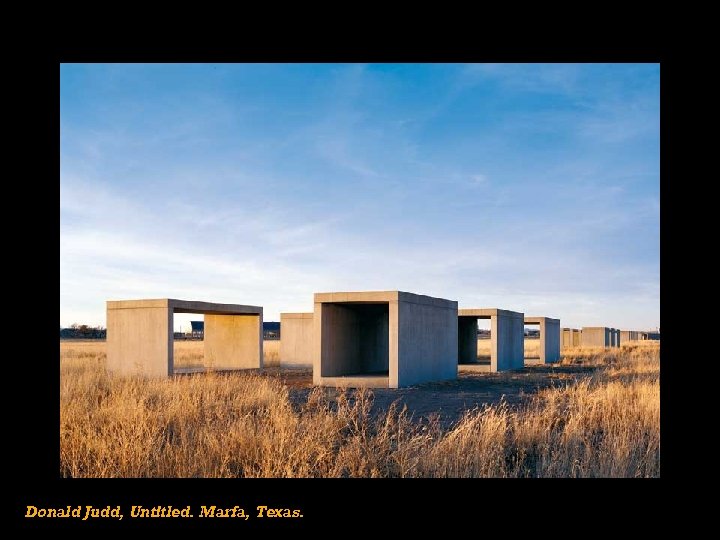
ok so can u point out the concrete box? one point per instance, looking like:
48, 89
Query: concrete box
140, 335
596, 336
507, 337
549, 340
296, 339
384, 339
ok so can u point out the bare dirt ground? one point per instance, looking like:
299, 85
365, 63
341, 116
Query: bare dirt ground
447, 400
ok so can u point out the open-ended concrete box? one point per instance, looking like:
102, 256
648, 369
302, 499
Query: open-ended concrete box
549, 340
383, 339
140, 335
506, 335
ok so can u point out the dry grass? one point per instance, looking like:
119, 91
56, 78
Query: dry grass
604, 425
186, 354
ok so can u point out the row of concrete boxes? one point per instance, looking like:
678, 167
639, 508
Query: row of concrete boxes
384, 339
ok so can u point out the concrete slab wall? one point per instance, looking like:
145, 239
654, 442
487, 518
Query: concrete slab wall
140, 335
595, 336
576, 338
508, 328
233, 341
566, 338
427, 343
296, 339
139, 341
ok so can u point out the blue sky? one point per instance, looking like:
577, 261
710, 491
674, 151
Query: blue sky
532, 187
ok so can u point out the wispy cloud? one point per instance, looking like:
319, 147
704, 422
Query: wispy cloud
264, 184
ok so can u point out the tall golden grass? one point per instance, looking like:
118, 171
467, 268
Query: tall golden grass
606, 424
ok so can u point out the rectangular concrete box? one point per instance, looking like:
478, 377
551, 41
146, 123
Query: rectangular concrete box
596, 336
629, 335
385, 339
570, 338
296, 343
140, 335
549, 340
506, 335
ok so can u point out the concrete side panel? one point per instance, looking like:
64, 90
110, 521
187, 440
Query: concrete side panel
551, 341
427, 343
507, 343
140, 341
296, 343
233, 341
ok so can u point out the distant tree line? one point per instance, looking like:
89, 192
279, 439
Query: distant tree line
83, 331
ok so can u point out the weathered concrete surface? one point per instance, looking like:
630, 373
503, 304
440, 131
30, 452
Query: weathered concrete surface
140, 335
233, 341
383, 338
549, 339
296, 339
596, 336
139, 341
506, 339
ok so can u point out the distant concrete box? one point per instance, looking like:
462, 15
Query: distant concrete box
570, 338
596, 336
385, 339
506, 335
549, 340
296, 339
140, 335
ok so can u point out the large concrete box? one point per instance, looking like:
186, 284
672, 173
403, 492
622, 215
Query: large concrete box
596, 336
383, 339
140, 335
296, 339
506, 335
549, 340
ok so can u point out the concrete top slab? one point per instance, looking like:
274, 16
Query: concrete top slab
596, 327
489, 312
297, 315
538, 320
186, 306
379, 297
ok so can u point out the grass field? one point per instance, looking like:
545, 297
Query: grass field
604, 422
